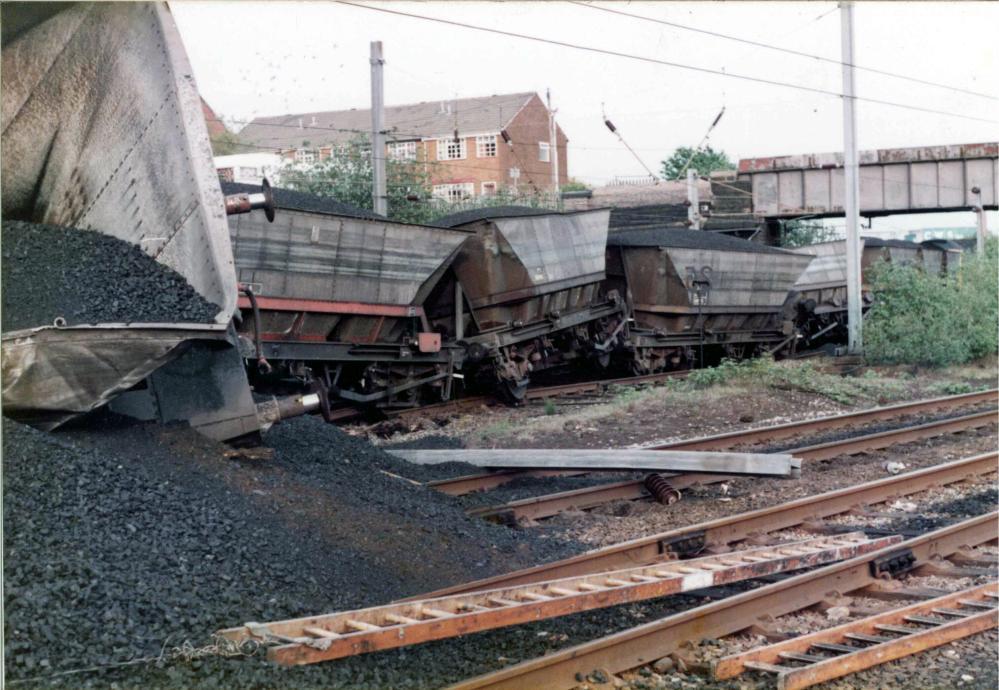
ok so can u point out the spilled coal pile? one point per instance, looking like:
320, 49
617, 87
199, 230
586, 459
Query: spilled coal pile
85, 277
124, 541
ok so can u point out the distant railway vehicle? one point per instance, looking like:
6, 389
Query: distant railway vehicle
820, 293
694, 294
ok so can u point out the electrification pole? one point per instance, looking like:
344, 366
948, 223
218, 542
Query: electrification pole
693, 200
983, 231
378, 152
851, 187
553, 148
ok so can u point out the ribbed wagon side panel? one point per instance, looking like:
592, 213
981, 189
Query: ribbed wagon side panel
556, 248
315, 256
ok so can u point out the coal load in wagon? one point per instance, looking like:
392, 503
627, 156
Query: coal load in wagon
85, 277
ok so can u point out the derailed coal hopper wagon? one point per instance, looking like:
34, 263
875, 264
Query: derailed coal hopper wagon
332, 301
820, 292
690, 291
531, 298
103, 131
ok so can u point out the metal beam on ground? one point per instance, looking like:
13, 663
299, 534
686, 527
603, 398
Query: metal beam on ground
764, 464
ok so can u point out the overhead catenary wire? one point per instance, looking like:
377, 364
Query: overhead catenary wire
666, 63
790, 51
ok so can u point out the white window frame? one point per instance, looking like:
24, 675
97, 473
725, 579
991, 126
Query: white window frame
485, 146
402, 150
450, 150
544, 152
248, 171
306, 156
454, 191
495, 188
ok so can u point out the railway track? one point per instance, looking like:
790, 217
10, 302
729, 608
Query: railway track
480, 482
539, 393
581, 499
723, 533
706, 558
865, 574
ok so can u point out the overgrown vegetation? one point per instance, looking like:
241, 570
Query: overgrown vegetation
794, 376
932, 320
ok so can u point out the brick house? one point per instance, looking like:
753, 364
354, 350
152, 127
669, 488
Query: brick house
461, 141
216, 127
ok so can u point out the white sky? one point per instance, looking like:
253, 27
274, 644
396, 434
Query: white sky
268, 58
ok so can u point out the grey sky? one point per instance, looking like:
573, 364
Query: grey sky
257, 58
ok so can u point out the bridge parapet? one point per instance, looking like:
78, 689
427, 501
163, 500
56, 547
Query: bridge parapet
909, 180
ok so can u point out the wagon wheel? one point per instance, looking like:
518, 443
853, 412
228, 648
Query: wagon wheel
513, 392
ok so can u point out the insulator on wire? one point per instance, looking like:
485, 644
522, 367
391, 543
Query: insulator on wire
610, 126
662, 490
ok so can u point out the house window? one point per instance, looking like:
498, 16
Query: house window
306, 156
544, 152
248, 172
485, 147
402, 150
454, 192
488, 189
225, 174
450, 150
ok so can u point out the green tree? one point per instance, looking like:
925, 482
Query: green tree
704, 161
348, 176
801, 233
923, 318
574, 185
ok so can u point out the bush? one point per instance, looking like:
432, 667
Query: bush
931, 320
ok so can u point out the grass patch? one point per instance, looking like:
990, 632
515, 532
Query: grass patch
794, 376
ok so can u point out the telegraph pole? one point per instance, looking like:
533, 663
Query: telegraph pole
378, 152
553, 147
851, 187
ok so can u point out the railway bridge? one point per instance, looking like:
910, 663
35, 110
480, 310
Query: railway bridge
909, 180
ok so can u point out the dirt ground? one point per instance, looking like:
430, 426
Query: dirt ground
629, 416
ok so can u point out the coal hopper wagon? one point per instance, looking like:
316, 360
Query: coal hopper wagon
820, 292
695, 296
531, 297
331, 300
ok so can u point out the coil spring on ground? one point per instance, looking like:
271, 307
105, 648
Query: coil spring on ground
662, 490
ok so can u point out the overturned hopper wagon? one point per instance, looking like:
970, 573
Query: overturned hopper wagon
332, 301
103, 131
695, 291
529, 281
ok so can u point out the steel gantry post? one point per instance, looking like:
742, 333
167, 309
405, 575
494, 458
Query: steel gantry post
378, 151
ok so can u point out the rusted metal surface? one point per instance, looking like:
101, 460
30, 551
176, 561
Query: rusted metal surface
552, 504
481, 482
809, 426
933, 178
907, 434
335, 635
725, 531
957, 615
646, 643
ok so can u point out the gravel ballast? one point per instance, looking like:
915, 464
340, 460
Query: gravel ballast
86, 277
